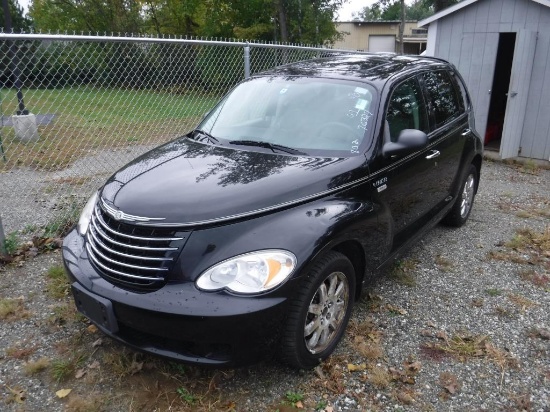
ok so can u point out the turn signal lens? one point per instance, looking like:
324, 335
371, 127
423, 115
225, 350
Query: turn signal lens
86, 215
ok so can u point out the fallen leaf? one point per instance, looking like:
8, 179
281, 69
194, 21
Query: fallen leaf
299, 405
18, 394
92, 328
94, 365
80, 373
405, 398
136, 367
413, 366
329, 409
63, 393
431, 324
441, 335
357, 368
96, 343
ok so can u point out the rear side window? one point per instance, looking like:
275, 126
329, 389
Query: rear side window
442, 97
406, 109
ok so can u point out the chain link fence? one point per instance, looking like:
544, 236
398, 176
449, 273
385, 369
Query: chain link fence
76, 108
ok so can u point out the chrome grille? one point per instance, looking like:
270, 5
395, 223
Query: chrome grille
131, 255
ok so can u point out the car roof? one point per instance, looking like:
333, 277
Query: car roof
376, 68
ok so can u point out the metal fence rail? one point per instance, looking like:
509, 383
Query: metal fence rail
75, 108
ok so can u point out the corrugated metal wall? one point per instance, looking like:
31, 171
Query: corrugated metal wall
469, 39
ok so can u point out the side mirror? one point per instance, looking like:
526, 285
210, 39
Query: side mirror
409, 140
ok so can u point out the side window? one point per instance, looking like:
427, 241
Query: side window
443, 101
461, 89
406, 109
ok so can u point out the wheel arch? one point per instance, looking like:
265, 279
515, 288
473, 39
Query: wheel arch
476, 161
354, 251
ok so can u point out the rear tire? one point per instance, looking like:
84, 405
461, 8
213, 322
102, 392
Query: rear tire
460, 211
319, 314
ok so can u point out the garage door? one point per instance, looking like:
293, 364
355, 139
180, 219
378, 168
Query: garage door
382, 44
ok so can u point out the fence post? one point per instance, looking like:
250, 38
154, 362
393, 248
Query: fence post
2, 239
246, 61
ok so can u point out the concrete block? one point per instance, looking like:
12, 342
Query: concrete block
25, 127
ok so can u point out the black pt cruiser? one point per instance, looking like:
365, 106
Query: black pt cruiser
254, 234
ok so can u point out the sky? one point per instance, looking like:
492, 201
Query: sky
344, 14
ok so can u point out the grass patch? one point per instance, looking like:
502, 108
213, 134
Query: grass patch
12, 309
493, 292
537, 279
521, 301
11, 243
379, 377
403, 272
63, 369
94, 118
58, 283
443, 263
34, 367
20, 353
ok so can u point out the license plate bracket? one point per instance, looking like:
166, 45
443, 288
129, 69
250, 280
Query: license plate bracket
99, 310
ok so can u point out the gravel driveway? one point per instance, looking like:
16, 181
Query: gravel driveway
461, 324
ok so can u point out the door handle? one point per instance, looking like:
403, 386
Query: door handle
466, 132
434, 154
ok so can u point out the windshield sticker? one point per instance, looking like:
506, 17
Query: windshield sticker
361, 104
364, 121
355, 146
360, 90
283, 91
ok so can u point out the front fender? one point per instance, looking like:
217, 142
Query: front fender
306, 230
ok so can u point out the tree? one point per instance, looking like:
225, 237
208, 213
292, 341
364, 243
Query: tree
18, 19
391, 9
86, 15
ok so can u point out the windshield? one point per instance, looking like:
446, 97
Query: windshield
315, 116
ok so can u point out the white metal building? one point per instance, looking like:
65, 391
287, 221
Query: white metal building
501, 48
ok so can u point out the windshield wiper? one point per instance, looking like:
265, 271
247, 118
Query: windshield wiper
272, 146
205, 136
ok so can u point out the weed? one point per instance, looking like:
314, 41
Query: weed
444, 263
493, 292
403, 272
520, 301
379, 377
64, 313
62, 369
321, 405
293, 397
58, 284
186, 396
34, 367
503, 312
11, 243
530, 275
530, 167
62, 224
91, 403
30, 229
20, 353
12, 309
124, 363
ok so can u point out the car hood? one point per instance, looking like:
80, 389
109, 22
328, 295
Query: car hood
187, 183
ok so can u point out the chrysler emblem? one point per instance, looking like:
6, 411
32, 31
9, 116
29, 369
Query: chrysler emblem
120, 215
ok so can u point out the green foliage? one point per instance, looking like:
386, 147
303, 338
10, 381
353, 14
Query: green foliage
18, 20
293, 397
186, 396
62, 224
391, 9
58, 284
11, 243
298, 21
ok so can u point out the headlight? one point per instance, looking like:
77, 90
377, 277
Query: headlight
86, 215
250, 273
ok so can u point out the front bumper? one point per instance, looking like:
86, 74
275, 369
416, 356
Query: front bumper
178, 321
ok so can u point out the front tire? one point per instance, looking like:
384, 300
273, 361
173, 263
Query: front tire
319, 314
460, 211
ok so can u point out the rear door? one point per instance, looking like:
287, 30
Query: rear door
449, 131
